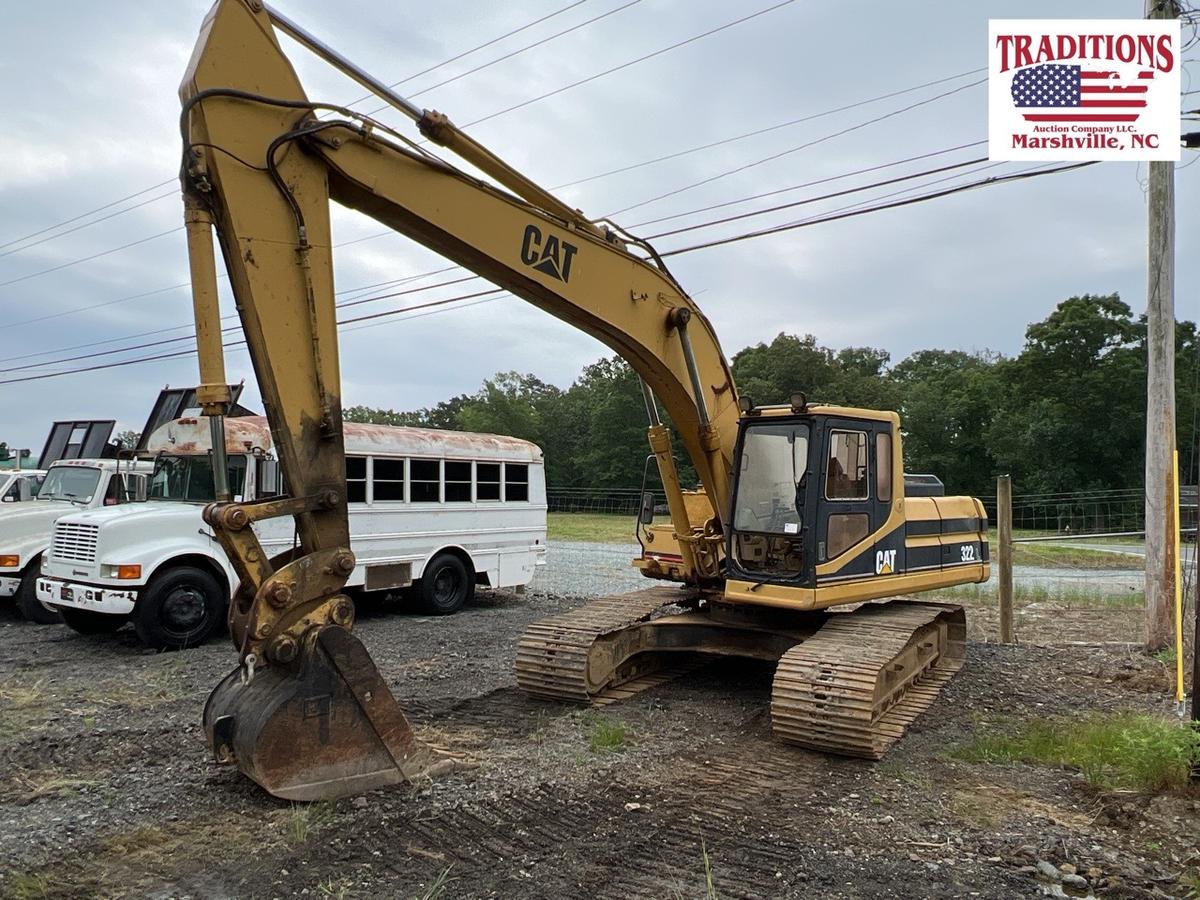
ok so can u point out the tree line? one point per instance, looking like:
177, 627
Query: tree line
1067, 413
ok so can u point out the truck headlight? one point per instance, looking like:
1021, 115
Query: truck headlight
10, 561
121, 572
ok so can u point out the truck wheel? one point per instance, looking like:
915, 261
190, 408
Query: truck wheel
29, 605
180, 608
85, 621
446, 585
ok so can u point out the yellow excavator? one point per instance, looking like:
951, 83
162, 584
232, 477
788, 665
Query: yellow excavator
805, 516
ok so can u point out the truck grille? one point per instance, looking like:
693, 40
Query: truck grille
75, 542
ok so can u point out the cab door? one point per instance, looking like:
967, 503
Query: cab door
851, 508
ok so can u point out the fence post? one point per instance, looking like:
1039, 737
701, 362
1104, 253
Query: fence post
1004, 553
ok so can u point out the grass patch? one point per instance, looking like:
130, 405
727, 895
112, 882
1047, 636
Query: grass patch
601, 527
1097, 597
709, 888
27, 886
1121, 751
1047, 555
305, 818
438, 888
605, 735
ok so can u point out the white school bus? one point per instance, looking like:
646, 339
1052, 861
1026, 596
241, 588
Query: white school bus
442, 512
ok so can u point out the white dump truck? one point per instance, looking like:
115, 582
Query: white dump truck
438, 511
16, 486
25, 528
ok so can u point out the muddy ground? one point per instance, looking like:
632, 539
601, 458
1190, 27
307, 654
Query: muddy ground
106, 789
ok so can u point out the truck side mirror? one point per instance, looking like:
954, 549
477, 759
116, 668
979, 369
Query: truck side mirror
267, 479
646, 513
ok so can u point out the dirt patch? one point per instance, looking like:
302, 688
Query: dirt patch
105, 787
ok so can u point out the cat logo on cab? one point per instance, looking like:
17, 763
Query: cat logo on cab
885, 562
548, 255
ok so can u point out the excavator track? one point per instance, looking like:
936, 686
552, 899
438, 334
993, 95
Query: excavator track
553, 654
857, 684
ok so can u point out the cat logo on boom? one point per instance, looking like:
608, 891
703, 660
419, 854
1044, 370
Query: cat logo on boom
549, 256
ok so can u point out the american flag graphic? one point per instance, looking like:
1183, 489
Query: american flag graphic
1054, 93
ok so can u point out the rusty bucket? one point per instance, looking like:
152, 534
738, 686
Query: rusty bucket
323, 727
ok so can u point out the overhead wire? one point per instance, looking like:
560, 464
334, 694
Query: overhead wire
876, 207
511, 54
626, 65
425, 71
475, 49
758, 131
782, 153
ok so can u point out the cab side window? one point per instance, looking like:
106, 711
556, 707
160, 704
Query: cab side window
846, 476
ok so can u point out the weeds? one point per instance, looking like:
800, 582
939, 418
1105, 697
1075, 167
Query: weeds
604, 734
28, 886
1068, 598
710, 888
305, 818
438, 888
1123, 751
339, 891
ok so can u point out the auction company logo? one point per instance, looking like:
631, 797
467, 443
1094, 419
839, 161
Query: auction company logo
1083, 89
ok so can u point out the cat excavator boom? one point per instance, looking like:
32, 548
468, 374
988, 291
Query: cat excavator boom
802, 509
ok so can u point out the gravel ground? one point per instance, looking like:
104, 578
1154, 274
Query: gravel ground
106, 790
588, 569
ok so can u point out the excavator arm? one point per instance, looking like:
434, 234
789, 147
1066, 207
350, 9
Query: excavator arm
261, 165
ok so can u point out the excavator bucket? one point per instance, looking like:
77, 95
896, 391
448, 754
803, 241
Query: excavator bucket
324, 727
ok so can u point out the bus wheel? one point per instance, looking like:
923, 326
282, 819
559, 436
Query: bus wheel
87, 622
180, 608
29, 605
446, 585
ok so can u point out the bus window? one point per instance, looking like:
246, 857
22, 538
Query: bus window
487, 481
516, 481
458, 482
425, 477
356, 479
388, 480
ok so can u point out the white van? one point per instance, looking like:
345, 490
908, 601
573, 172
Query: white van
25, 528
442, 511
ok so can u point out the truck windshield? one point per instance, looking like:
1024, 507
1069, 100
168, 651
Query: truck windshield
190, 478
70, 483
774, 459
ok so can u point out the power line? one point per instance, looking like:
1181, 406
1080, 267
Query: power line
769, 128
84, 215
846, 215
732, 239
790, 150
626, 65
808, 200
178, 354
465, 53
367, 288
813, 183
84, 259
120, 212
186, 337
511, 54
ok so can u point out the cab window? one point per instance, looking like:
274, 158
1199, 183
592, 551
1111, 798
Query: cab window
846, 475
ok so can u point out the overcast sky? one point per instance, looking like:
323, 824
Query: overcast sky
90, 108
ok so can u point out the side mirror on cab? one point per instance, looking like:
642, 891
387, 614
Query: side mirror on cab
646, 513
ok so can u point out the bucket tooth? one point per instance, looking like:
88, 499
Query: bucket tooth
325, 727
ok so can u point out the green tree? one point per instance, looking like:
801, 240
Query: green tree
1071, 407
946, 402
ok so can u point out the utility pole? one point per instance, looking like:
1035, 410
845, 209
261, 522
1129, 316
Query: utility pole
1160, 389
